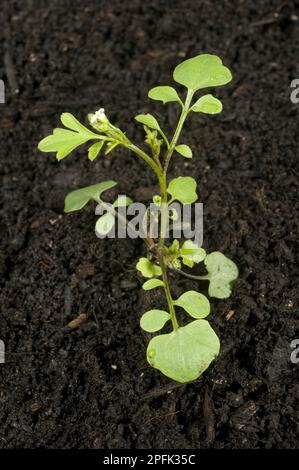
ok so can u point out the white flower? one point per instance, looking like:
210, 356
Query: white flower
98, 116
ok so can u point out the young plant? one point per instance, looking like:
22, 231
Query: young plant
187, 351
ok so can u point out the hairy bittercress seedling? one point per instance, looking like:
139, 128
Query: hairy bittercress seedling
186, 352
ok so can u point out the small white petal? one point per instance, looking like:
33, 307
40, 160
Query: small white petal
98, 116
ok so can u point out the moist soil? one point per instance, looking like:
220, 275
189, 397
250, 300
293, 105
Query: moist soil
91, 387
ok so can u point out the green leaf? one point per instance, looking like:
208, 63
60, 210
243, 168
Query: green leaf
184, 150
183, 189
94, 150
157, 200
68, 120
222, 272
76, 200
122, 201
196, 304
174, 247
152, 284
202, 71
105, 223
147, 268
154, 320
186, 353
110, 146
176, 263
191, 253
62, 141
207, 104
164, 93
148, 120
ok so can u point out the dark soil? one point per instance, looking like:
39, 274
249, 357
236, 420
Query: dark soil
92, 387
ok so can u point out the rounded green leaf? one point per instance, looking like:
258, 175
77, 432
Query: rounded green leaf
148, 120
196, 304
183, 189
122, 201
186, 353
202, 71
207, 104
164, 93
191, 253
154, 320
184, 150
76, 200
105, 223
221, 273
157, 200
147, 268
152, 284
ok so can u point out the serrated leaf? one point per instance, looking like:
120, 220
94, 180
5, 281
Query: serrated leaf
184, 150
186, 353
105, 223
196, 304
154, 320
77, 199
152, 284
62, 141
207, 104
94, 150
164, 93
183, 189
68, 120
202, 71
221, 273
147, 268
148, 120
122, 201
191, 253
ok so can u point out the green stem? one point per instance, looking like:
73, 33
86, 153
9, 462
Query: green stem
161, 243
192, 276
164, 138
174, 321
162, 176
178, 130
154, 166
